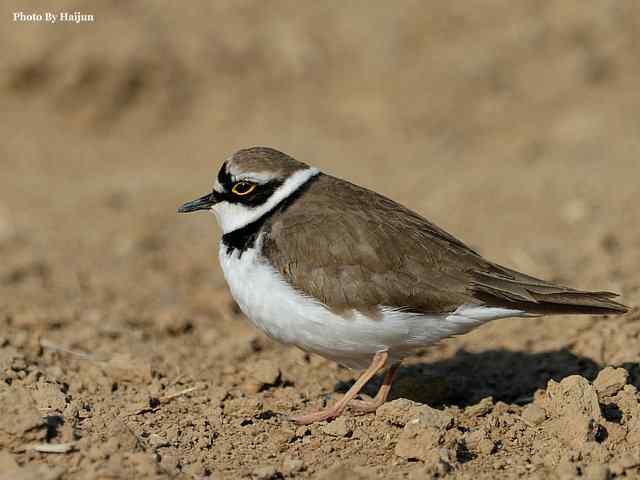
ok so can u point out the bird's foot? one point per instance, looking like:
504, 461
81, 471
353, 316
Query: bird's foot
321, 416
367, 406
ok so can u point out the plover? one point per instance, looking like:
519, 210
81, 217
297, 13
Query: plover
344, 272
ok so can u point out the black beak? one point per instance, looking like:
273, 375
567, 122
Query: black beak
203, 203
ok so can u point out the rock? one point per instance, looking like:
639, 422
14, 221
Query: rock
610, 381
264, 472
340, 427
481, 408
155, 441
402, 411
292, 465
595, 471
437, 463
20, 419
627, 401
534, 414
574, 429
633, 431
417, 441
262, 375
422, 436
479, 441
615, 433
486, 446
573, 395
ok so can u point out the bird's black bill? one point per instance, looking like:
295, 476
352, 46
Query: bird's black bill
203, 203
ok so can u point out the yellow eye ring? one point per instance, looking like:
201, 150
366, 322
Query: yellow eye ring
243, 188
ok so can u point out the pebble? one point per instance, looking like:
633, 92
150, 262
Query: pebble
263, 374
479, 441
264, 472
533, 414
610, 381
340, 427
574, 429
574, 394
292, 465
402, 411
481, 408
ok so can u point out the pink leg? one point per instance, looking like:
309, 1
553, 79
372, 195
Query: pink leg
381, 396
378, 363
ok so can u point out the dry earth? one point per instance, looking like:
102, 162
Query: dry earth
514, 125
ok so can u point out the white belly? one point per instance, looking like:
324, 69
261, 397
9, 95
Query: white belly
290, 317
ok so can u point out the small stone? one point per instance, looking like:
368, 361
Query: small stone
596, 471
533, 414
263, 374
480, 442
574, 394
481, 408
574, 429
610, 381
20, 417
340, 427
401, 411
156, 441
416, 442
486, 446
437, 463
292, 465
264, 472
420, 438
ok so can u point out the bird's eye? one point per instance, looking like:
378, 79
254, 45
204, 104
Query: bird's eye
243, 188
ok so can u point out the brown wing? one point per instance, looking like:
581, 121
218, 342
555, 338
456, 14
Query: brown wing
355, 249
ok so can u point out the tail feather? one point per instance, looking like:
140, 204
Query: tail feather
504, 287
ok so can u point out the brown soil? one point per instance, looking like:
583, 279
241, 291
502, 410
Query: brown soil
514, 126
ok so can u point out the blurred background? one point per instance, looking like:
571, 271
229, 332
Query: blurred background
513, 125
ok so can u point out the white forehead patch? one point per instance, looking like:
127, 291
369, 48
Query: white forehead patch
256, 177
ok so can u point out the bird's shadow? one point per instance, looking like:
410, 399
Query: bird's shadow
505, 375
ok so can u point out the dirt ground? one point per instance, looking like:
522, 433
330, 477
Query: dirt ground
513, 125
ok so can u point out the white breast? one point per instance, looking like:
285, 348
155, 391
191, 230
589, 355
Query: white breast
290, 317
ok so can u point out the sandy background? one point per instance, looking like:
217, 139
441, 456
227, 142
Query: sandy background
513, 125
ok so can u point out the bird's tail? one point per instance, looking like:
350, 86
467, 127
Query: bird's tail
503, 287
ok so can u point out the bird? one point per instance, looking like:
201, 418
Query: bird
344, 272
